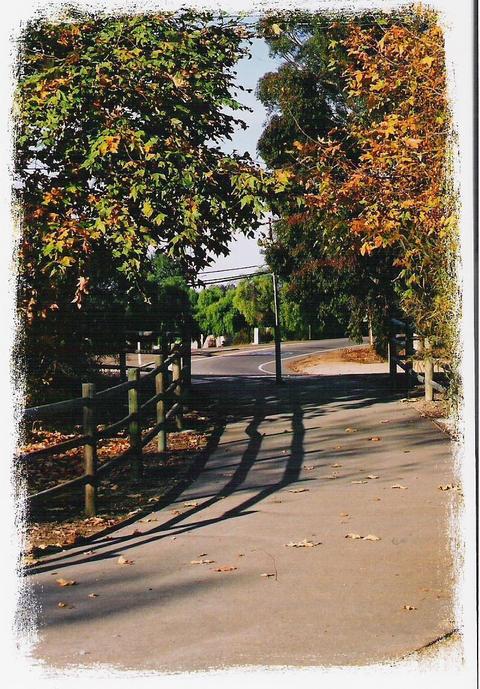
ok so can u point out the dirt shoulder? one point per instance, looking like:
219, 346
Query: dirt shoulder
357, 359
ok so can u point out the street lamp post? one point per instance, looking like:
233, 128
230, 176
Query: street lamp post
278, 353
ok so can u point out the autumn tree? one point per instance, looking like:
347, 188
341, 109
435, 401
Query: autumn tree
305, 99
372, 180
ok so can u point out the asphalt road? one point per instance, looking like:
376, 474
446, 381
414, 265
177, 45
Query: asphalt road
259, 361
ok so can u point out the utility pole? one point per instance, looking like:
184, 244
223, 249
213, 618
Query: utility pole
276, 330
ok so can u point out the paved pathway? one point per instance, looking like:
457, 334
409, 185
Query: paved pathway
341, 602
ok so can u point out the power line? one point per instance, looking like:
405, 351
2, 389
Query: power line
227, 270
234, 278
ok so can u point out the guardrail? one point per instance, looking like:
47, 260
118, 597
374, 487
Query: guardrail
167, 402
402, 338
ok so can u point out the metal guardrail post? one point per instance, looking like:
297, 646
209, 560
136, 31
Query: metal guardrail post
177, 375
134, 428
160, 389
90, 449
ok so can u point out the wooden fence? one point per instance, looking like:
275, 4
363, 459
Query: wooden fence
167, 402
401, 339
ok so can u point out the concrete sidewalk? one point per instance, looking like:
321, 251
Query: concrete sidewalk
339, 602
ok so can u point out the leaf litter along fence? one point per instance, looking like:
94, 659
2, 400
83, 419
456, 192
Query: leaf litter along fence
170, 391
401, 339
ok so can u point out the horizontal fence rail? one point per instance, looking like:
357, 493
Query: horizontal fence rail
166, 405
401, 339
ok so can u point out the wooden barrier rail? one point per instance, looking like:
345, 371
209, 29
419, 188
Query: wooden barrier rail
168, 405
405, 361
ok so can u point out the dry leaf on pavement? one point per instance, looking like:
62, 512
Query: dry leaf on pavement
202, 562
123, 561
225, 568
190, 504
65, 605
298, 490
353, 536
372, 476
371, 537
93, 595
268, 574
351, 430
336, 466
375, 438
358, 481
65, 582
397, 485
409, 607
302, 544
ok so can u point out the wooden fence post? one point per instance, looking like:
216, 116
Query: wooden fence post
123, 366
134, 429
392, 353
187, 362
177, 376
160, 388
90, 449
409, 352
428, 363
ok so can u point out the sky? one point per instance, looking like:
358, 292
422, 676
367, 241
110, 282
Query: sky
243, 251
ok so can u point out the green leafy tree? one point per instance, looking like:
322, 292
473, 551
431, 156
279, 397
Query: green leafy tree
216, 312
119, 124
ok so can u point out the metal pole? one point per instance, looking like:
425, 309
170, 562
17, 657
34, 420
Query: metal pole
278, 352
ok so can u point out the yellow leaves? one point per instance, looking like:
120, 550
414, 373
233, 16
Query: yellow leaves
413, 143
366, 248
179, 80
276, 29
109, 145
378, 85
427, 60
52, 196
283, 176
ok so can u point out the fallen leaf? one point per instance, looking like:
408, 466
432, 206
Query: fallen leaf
344, 514
448, 486
149, 519
202, 555
65, 605
354, 536
336, 466
302, 544
123, 561
309, 468
225, 568
385, 421
351, 430
372, 476
268, 574
202, 562
397, 485
190, 504
375, 438
371, 537
406, 452
93, 595
358, 481
299, 490
409, 607
66, 582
